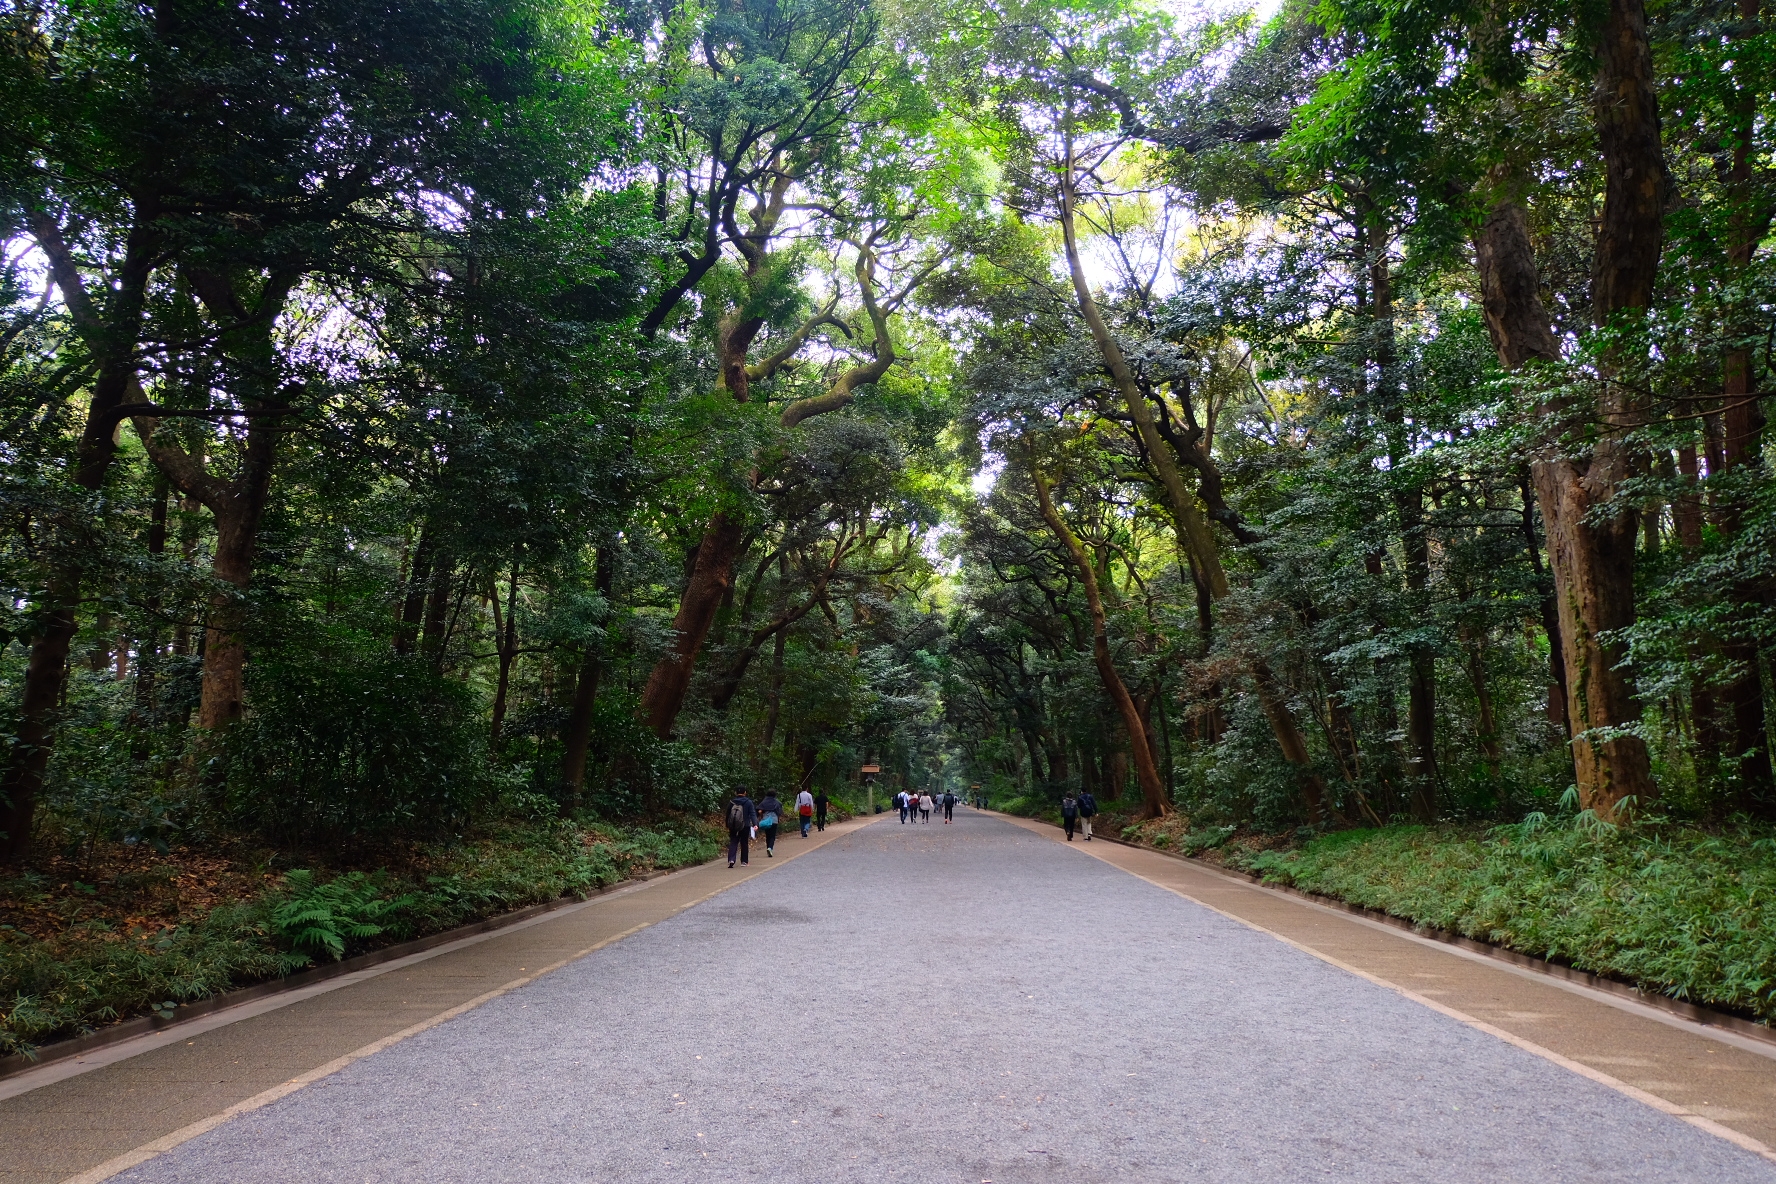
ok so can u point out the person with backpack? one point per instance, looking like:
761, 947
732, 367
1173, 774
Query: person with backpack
1088, 806
770, 812
949, 805
805, 810
903, 800
742, 817
1069, 814
820, 803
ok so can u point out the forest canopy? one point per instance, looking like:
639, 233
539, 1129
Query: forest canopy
425, 412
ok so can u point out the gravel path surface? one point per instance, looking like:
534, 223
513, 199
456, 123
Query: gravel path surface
966, 1003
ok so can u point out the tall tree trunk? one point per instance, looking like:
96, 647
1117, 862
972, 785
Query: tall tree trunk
1592, 560
1194, 536
1155, 803
711, 577
1421, 681
577, 740
413, 599
1549, 605
111, 332
505, 644
1742, 428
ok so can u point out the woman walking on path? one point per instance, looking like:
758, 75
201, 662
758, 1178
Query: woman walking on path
1069, 814
770, 812
1088, 806
925, 805
742, 817
805, 810
820, 802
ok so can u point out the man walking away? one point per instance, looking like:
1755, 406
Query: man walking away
949, 805
1069, 814
1088, 806
770, 811
805, 810
742, 817
901, 800
820, 802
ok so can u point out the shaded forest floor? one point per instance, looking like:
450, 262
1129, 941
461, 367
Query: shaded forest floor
1675, 909
100, 933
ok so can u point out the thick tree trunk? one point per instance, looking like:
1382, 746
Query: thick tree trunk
1592, 559
1549, 605
225, 648
711, 578
1155, 802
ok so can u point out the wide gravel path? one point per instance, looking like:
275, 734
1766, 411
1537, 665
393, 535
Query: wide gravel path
966, 1003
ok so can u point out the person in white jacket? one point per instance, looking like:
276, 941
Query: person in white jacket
805, 810
925, 805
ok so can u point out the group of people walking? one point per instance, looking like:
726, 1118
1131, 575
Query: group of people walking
916, 807
1076, 814
748, 819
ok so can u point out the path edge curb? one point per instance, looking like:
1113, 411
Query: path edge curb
75, 1046
1695, 1013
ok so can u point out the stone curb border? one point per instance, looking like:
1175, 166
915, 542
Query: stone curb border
75, 1046
1693, 1012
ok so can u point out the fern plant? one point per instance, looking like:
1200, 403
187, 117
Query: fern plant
323, 917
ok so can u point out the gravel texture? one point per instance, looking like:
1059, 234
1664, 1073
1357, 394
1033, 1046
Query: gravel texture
963, 1003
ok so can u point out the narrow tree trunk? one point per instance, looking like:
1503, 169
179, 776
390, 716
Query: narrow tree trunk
1549, 605
1155, 802
505, 628
577, 740
711, 577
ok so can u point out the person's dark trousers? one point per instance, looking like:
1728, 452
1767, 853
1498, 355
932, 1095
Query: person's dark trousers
949, 812
770, 833
807, 821
820, 820
1068, 821
903, 813
740, 844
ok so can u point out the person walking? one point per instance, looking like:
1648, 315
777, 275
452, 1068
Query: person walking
1069, 814
949, 805
925, 805
770, 812
1088, 806
820, 804
805, 810
742, 817
902, 800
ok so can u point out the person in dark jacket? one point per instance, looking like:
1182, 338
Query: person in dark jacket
770, 817
742, 817
1088, 806
949, 805
1069, 814
820, 802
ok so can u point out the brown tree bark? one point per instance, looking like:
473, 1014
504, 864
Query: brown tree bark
1592, 561
505, 645
711, 578
1155, 803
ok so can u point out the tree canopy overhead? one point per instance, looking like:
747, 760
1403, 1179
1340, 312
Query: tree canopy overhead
417, 413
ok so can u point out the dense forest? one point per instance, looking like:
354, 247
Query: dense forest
427, 413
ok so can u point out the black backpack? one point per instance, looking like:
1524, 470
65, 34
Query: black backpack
737, 817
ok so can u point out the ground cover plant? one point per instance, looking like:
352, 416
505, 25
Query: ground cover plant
119, 952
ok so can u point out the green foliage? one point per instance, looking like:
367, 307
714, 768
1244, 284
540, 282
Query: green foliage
320, 918
356, 747
91, 975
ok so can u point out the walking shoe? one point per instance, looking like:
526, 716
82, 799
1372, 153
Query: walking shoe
730, 863
770, 854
